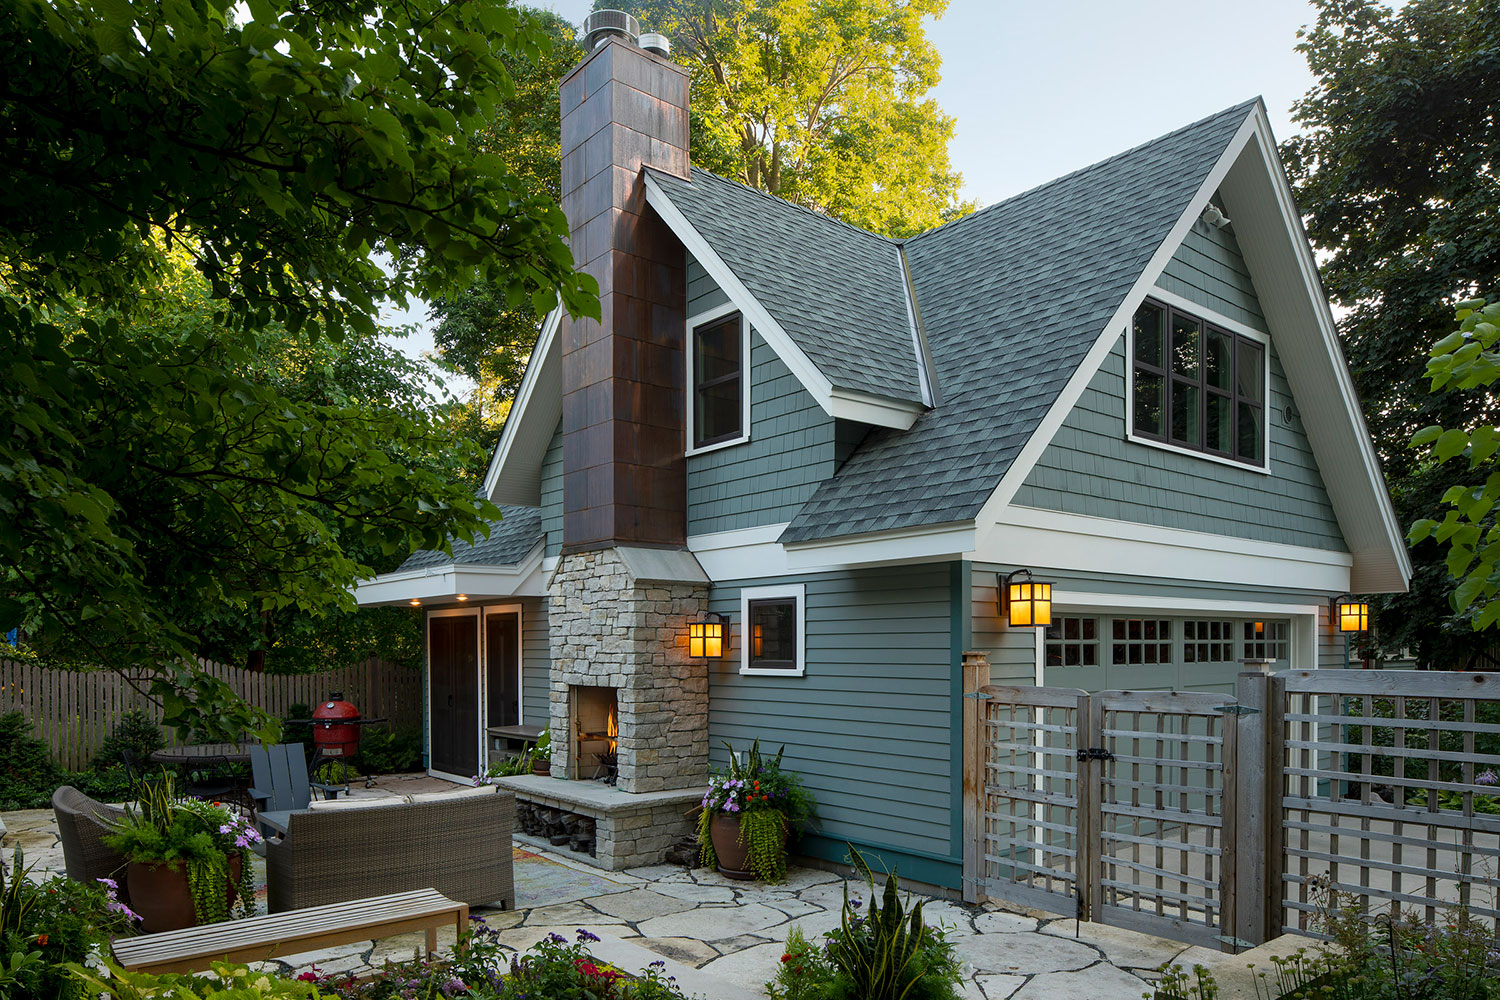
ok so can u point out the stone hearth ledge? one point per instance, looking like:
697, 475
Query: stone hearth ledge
632, 829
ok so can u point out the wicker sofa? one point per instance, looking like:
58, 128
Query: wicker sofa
456, 842
81, 825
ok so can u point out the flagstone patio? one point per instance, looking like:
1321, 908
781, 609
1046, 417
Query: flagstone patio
732, 932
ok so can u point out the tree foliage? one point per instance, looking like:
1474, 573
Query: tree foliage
181, 190
1396, 175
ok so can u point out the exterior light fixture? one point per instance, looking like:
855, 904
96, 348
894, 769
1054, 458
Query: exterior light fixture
463, 597
1024, 601
1349, 614
415, 603
706, 636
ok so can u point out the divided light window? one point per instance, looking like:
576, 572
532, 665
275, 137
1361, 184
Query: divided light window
773, 634
1197, 386
718, 381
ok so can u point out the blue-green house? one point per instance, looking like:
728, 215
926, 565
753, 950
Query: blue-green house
1126, 381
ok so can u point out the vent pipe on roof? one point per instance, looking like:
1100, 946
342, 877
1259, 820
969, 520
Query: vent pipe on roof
602, 25
656, 44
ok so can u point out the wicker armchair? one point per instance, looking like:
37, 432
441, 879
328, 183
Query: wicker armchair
81, 825
457, 843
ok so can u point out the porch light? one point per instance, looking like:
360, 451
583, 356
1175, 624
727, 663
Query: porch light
1349, 614
463, 597
415, 603
706, 636
1024, 601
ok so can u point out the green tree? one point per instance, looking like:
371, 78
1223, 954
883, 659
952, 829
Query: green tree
1396, 174
142, 469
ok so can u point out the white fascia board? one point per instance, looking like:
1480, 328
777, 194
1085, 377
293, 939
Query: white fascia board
866, 408
1031, 452
446, 581
1078, 600
754, 553
1028, 536
1322, 386
890, 413
514, 475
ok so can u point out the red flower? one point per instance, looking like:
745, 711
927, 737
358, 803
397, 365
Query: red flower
41, 940
787, 957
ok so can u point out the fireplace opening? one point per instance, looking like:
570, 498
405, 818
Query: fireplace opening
596, 729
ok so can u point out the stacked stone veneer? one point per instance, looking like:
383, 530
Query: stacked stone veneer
609, 629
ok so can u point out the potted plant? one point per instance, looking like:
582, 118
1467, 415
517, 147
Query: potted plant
747, 814
541, 753
187, 858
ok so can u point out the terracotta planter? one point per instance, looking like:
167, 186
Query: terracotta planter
542, 765
160, 894
725, 833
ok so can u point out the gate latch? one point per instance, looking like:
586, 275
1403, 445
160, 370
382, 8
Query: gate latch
1094, 753
1237, 710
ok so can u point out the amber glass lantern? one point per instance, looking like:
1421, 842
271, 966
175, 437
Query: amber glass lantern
706, 636
1348, 614
1025, 602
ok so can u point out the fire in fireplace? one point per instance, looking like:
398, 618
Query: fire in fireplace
596, 729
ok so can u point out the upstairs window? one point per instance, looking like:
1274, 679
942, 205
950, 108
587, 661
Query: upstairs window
718, 362
1196, 386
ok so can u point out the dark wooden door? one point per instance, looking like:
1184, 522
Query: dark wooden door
453, 663
502, 657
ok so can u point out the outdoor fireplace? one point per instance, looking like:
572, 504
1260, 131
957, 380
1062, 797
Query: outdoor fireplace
596, 732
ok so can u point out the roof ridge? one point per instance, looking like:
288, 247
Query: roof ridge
780, 201
1243, 106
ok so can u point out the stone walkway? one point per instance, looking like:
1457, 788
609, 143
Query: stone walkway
734, 931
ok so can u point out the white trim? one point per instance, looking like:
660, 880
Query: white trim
866, 408
796, 591
445, 581
1031, 537
743, 554
475, 612
1039, 647
1205, 316
542, 357
903, 545
519, 611
1031, 452
924, 377
1067, 601
693, 322
812, 379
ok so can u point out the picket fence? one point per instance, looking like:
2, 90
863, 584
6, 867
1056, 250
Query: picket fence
73, 711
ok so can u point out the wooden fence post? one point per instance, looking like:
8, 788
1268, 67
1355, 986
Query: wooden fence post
976, 675
1256, 872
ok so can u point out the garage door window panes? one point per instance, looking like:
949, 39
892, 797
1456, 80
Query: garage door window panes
1207, 641
1073, 642
1265, 640
1141, 640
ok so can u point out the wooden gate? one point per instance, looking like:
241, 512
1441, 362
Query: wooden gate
1112, 806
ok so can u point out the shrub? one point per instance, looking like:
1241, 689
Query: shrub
297, 732
222, 981
28, 775
386, 751
135, 734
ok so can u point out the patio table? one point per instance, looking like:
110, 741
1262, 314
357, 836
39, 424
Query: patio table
197, 753
210, 760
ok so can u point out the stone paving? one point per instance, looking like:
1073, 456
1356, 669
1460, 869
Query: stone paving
734, 931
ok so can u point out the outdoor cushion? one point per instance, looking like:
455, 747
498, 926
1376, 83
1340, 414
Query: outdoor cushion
355, 805
462, 793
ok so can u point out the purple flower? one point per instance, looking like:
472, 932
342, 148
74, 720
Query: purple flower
584, 935
109, 884
1487, 777
557, 938
226, 828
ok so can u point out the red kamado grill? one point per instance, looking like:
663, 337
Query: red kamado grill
335, 727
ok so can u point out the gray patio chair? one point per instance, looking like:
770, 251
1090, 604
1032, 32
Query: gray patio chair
81, 825
280, 786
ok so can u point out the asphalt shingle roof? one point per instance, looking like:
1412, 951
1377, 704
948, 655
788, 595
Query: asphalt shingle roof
836, 290
516, 533
1012, 298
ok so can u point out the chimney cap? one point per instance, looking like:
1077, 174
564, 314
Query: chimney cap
602, 25
657, 44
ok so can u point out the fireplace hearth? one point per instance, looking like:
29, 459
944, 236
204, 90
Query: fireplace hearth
596, 732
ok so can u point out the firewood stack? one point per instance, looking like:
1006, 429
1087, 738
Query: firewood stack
560, 827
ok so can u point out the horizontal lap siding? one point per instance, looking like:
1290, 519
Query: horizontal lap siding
1011, 651
1090, 468
552, 493
536, 663
869, 726
1209, 270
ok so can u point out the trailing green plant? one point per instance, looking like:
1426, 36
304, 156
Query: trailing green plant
136, 734
46, 924
890, 953
1176, 983
221, 982
769, 802
200, 837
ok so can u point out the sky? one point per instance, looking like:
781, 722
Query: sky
1040, 89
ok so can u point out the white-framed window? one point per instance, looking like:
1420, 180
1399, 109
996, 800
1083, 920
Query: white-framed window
1266, 640
773, 630
1199, 384
718, 368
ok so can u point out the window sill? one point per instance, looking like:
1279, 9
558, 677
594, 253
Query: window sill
717, 446
763, 672
1264, 470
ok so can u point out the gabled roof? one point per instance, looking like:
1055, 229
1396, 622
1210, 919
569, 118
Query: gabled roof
1012, 300
512, 538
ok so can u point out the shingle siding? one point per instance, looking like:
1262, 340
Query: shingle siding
869, 726
703, 292
791, 449
552, 493
1208, 269
1090, 468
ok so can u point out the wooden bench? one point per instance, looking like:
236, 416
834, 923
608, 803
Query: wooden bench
256, 939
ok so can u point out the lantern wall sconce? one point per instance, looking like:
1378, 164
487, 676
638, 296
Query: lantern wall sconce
1348, 614
1025, 602
707, 636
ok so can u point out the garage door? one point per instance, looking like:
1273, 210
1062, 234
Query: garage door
1139, 651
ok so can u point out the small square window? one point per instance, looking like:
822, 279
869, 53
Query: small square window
773, 624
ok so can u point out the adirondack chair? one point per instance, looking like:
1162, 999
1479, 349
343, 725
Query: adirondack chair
280, 785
